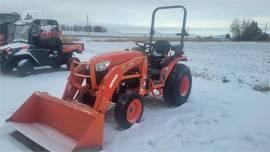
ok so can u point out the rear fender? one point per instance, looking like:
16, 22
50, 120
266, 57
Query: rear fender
114, 77
25, 55
165, 72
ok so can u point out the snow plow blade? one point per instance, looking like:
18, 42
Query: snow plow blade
59, 125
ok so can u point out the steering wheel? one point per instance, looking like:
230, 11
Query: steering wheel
143, 45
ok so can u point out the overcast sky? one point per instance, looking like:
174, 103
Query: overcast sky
201, 13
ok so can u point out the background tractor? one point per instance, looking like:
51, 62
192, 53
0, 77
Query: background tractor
35, 43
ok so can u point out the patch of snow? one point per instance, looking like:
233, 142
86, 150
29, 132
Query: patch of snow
242, 63
217, 117
14, 45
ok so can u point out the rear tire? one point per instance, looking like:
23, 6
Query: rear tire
25, 67
178, 86
56, 62
71, 60
128, 110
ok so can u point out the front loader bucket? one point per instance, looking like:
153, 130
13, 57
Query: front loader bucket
59, 125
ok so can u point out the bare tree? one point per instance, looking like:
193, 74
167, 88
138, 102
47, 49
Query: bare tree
245, 24
236, 28
247, 30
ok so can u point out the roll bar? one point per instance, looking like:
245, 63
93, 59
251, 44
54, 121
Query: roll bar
183, 33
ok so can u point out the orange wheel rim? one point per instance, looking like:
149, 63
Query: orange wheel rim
134, 111
184, 86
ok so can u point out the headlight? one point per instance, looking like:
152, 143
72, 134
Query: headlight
102, 66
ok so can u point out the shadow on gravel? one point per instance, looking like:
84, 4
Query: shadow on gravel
27, 142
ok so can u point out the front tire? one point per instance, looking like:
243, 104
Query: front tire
178, 86
25, 67
56, 62
128, 110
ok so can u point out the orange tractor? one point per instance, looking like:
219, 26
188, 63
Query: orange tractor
120, 78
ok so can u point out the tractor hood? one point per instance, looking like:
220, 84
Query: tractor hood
14, 46
116, 57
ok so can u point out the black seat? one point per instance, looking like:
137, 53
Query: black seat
160, 50
162, 47
155, 59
